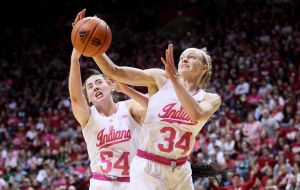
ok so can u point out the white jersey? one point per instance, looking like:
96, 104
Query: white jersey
111, 141
168, 130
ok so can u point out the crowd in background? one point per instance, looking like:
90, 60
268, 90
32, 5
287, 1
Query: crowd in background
255, 47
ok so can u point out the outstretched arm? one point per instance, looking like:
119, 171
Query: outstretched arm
139, 97
195, 110
128, 75
79, 104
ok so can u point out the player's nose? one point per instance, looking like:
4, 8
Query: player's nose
184, 60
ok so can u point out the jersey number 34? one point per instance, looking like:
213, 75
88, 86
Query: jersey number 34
183, 143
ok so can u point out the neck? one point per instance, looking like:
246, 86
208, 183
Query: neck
107, 108
190, 85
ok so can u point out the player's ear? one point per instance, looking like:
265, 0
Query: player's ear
110, 84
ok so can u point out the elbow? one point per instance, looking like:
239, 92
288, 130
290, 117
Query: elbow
74, 99
197, 116
205, 111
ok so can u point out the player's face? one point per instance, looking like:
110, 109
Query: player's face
191, 62
98, 89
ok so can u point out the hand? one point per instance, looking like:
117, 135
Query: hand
75, 55
169, 63
79, 16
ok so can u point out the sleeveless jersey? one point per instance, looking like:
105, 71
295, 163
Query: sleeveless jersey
111, 141
168, 131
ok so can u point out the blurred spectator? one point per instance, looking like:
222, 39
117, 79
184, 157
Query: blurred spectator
242, 88
238, 182
3, 184
269, 124
251, 130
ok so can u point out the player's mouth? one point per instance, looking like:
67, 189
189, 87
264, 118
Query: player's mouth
99, 95
185, 66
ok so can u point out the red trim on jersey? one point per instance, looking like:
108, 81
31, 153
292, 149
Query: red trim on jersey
196, 92
160, 159
116, 109
101, 177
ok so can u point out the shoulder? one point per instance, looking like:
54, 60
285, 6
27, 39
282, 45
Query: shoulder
90, 118
160, 77
136, 110
214, 99
133, 105
129, 103
157, 74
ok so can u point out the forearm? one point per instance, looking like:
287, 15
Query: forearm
190, 105
127, 75
137, 96
106, 65
75, 83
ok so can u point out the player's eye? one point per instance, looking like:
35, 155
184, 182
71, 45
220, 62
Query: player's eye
89, 87
98, 82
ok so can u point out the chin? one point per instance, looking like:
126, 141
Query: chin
183, 72
99, 100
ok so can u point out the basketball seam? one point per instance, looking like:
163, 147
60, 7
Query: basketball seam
90, 37
102, 43
78, 30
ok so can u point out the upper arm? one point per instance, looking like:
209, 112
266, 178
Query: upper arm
136, 110
216, 102
210, 104
81, 111
133, 76
137, 77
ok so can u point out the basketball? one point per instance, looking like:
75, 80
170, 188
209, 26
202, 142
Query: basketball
91, 36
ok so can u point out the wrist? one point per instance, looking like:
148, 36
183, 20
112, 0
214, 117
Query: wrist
174, 78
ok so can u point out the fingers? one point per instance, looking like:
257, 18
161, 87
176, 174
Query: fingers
169, 58
170, 53
82, 14
79, 16
166, 54
163, 60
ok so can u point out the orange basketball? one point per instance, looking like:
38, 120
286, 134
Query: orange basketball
91, 36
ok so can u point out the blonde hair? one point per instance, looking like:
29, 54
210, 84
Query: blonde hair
207, 75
